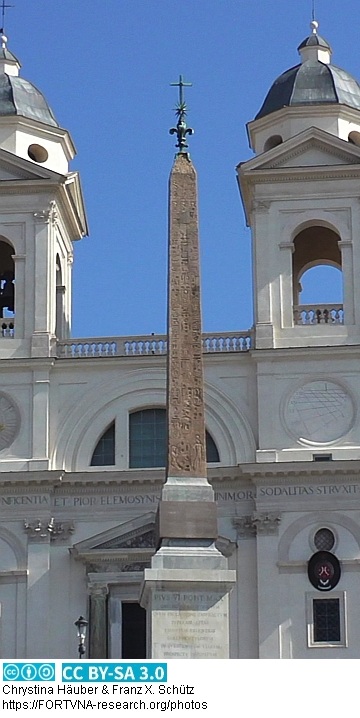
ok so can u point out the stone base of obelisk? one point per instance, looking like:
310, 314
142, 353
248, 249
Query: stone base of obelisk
186, 590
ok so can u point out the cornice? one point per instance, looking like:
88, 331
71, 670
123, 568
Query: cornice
111, 555
313, 352
220, 477
347, 564
302, 174
28, 186
330, 110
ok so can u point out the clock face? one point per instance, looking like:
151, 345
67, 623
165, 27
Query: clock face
319, 412
9, 421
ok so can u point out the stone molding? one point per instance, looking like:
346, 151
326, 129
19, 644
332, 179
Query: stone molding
315, 520
245, 527
60, 530
49, 215
312, 144
260, 523
102, 566
134, 539
267, 523
41, 530
351, 565
98, 589
261, 205
37, 530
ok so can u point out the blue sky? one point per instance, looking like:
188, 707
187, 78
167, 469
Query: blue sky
105, 68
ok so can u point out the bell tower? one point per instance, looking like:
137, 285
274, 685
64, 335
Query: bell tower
41, 214
301, 201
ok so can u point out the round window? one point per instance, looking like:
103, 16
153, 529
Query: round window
324, 539
37, 153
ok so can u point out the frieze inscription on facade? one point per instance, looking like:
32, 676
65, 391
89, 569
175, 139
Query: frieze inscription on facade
33, 501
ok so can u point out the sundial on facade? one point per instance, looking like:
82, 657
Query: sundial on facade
319, 412
9, 421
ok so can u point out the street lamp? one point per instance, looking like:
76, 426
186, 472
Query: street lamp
81, 625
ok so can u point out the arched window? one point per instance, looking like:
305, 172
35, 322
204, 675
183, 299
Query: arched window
321, 284
147, 440
272, 142
317, 276
104, 452
212, 454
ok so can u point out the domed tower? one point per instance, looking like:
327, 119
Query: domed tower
41, 214
301, 200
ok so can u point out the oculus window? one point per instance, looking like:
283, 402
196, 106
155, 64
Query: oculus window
147, 440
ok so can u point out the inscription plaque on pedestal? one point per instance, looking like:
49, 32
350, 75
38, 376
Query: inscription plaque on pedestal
190, 624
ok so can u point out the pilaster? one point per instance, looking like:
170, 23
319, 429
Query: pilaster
98, 593
347, 266
38, 635
43, 231
41, 412
264, 330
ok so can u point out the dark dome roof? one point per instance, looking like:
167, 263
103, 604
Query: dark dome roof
314, 39
20, 97
312, 82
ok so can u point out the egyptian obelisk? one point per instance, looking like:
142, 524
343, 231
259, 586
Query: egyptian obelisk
186, 589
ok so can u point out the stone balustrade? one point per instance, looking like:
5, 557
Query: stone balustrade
7, 327
149, 345
311, 314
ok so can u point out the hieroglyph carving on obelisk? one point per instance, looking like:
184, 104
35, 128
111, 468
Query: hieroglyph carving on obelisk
185, 399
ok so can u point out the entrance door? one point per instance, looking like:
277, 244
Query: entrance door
133, 630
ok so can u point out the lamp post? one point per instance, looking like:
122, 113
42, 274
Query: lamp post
81, 625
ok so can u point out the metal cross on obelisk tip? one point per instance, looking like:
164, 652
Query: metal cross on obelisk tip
181, 130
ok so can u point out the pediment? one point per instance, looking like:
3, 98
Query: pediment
126, 547
139, 533
14, 169
312, 148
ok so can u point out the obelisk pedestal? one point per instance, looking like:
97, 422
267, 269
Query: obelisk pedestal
186, 589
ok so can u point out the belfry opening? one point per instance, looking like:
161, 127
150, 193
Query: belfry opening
7, 286
316, 246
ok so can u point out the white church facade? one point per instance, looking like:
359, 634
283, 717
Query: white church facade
82, 421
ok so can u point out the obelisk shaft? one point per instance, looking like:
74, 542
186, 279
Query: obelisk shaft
185, 592
185, 398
